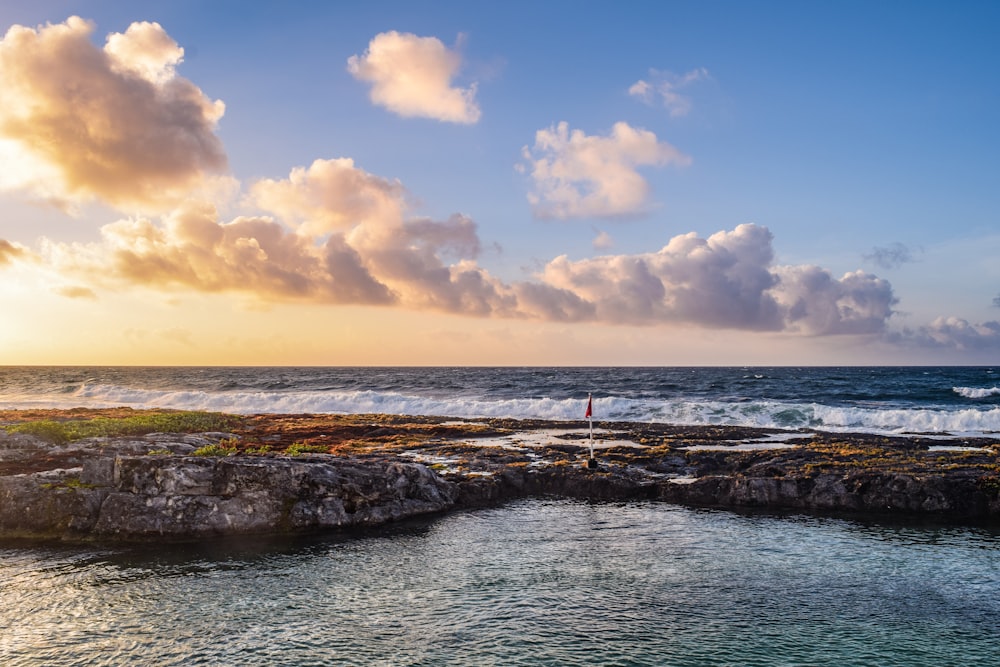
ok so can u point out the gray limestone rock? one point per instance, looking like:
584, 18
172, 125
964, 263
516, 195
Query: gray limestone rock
145, 497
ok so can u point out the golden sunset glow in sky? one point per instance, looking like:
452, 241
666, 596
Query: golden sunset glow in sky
451, 184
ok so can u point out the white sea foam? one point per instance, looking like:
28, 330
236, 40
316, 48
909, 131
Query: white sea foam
755, 413
956, 448
977, 392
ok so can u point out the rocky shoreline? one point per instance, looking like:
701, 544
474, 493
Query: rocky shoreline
288, 474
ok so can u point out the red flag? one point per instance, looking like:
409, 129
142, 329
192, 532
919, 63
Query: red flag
590, 410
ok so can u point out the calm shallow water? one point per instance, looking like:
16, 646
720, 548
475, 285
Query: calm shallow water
531, 583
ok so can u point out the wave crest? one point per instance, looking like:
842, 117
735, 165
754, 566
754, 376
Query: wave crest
977, 392
681, 411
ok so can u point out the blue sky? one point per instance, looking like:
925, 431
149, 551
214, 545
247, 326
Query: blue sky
847, 138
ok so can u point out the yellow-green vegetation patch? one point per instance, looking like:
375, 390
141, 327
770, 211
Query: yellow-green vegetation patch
990, 484
297, 448
220, 449
61, 432
72, 483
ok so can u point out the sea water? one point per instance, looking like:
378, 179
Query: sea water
956, 400
538, 582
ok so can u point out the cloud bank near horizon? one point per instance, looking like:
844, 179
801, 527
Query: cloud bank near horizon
342, 235
333, 233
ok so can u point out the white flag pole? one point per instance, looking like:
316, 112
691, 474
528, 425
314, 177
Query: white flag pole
589, 415
590, 418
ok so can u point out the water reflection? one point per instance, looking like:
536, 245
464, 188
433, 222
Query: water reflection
537, 582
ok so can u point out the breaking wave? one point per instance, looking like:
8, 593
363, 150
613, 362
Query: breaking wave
977, 392
755, 413
957, 401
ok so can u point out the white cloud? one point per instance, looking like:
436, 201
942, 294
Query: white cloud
577, 175
724, 281
954, 333
663, 89
347, 239
412, 76
727, 281
816, 303
145, 50
603, 241
10, 251
79, 122
331, 195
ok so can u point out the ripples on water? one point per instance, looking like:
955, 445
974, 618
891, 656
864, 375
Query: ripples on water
532, 583
956, 400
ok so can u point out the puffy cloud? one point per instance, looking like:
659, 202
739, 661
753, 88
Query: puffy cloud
663, 87
406, 257
332, 195
144, 50
816, 303
347, 241
192, 249
456, 236
547, 302
116, 123
722, 281
410, 259
578, 175
412, 76
603, 241
346, 236
891, 256
9, 252
955, 333
725, 281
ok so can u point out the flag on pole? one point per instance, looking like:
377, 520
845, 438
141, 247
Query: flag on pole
591, 462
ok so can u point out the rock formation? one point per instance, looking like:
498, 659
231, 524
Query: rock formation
372, 471
140, 497
869, 492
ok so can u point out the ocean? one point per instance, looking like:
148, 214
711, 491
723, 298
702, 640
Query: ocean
534, 582
892, 400
537, 582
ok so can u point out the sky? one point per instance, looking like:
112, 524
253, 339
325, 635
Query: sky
517, 183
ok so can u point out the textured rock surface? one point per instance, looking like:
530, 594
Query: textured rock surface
865, 491
384, 468
181, 497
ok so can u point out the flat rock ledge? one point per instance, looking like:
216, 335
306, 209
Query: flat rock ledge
954, 497
153, 489
144, 497
120, 490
